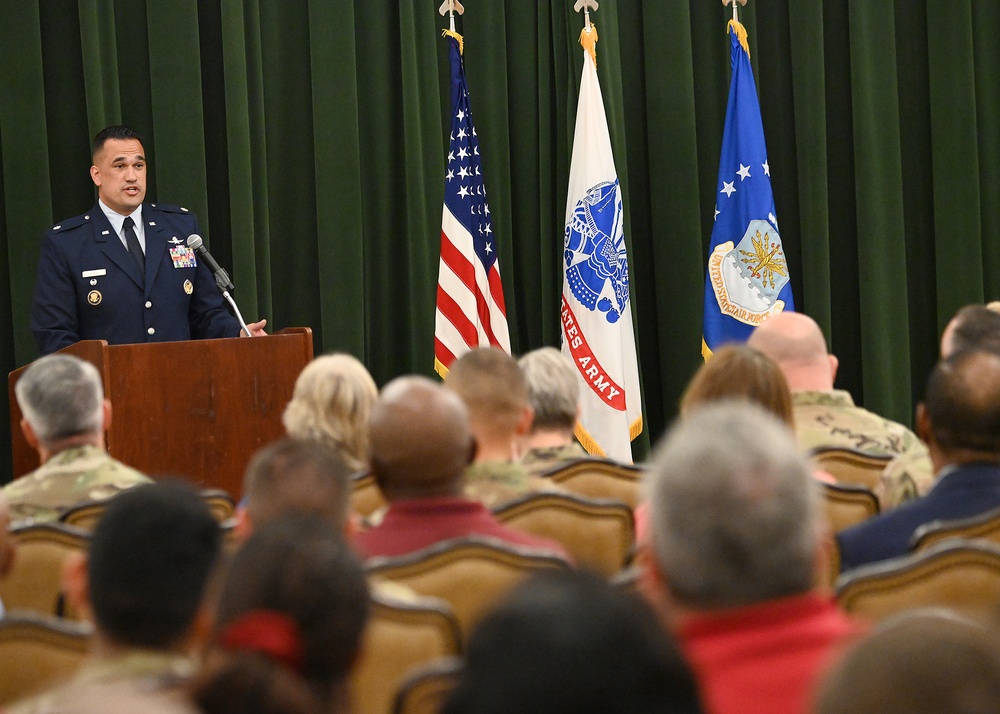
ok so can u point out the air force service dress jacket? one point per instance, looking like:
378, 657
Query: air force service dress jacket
90, 288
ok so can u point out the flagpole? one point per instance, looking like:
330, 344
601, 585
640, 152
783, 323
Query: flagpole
586, 6
736, 16
451, 7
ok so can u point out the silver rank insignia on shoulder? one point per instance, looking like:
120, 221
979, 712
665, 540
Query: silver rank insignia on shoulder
94, 297
188, 287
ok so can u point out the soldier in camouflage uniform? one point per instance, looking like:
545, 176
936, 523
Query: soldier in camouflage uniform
494, 391
65, 415
554, 395
828, 417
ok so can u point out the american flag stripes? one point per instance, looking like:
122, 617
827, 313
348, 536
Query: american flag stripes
470, 304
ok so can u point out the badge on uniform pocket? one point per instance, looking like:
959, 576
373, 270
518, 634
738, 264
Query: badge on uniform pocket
188, 287
94, 297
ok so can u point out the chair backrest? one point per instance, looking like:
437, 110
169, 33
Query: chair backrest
425, 691
86, 514
35, 581
366, 496
847, 505
471, 573
598, 535
958, 574
37, 651
600, 478
985, 526
400, 637
850, 466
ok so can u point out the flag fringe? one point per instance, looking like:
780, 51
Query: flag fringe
440, 368
635, 429
589, 41
706, 351
461, 40
588, 442
741, 34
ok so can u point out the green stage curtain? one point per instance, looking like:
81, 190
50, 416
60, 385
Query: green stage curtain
309, 137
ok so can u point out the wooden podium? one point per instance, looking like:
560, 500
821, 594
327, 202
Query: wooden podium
197, 409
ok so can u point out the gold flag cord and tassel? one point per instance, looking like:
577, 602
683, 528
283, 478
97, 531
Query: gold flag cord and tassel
461, 41
588, 39
741, 34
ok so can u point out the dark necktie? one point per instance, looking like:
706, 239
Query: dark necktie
133, 245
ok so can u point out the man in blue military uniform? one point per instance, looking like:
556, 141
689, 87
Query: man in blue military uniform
123, 272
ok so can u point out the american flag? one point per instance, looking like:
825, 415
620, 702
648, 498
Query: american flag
470, 305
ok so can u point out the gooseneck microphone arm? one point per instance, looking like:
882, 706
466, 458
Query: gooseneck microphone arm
195, 242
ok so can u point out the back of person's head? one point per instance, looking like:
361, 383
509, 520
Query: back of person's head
734, 509
421, 440
568, 642
297, 476
972, 327
796, 344
963, 403
292, 610
740, 372
332, 402
116, 133
553, 389
149, 561
920, 663
60, 397
493, 388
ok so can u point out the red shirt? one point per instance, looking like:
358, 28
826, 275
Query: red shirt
765, 658
415, 524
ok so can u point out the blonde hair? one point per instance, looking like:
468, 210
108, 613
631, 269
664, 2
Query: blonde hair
333, 399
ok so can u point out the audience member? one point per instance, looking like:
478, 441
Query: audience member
65, 415
332, 401
568, 642
290, 619
973, 326
143, 582
554, 397
921, 663
828, 417
300, 476
960, 421
739, 372
420, 446
495, 393
7, 552
736, 535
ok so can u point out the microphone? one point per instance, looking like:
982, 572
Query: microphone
195, 242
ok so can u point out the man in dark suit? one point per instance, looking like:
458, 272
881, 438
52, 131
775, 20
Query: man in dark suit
122, 272
960, 421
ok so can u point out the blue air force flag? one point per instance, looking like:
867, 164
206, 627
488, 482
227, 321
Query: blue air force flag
747, 279
596, 312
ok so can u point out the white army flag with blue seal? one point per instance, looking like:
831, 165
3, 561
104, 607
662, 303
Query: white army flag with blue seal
596, 310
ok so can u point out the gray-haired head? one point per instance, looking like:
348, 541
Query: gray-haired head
553, 389
61, 396
734, 509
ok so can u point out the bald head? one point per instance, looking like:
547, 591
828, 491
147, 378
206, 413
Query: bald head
961, 414
796, 344
420, 440
972, 327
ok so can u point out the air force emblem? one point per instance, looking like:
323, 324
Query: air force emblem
747, 278
596, 262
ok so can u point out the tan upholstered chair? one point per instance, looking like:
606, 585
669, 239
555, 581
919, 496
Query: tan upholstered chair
963, 575
985, 526
472, 573
401, 636
86, 514
600, 478
598, 535
847, 505
37, 651
425, 691
35, 581
366, 496
850, 466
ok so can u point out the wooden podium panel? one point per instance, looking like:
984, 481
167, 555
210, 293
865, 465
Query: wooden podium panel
197, 409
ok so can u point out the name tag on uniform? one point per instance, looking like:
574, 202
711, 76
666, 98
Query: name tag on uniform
183, 257
93, 273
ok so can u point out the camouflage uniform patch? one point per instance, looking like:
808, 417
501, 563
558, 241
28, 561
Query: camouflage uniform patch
537, 461
496, 482
825, 419
72, 476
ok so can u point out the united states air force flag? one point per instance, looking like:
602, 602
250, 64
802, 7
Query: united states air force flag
470, 305
596, 310
747, 279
